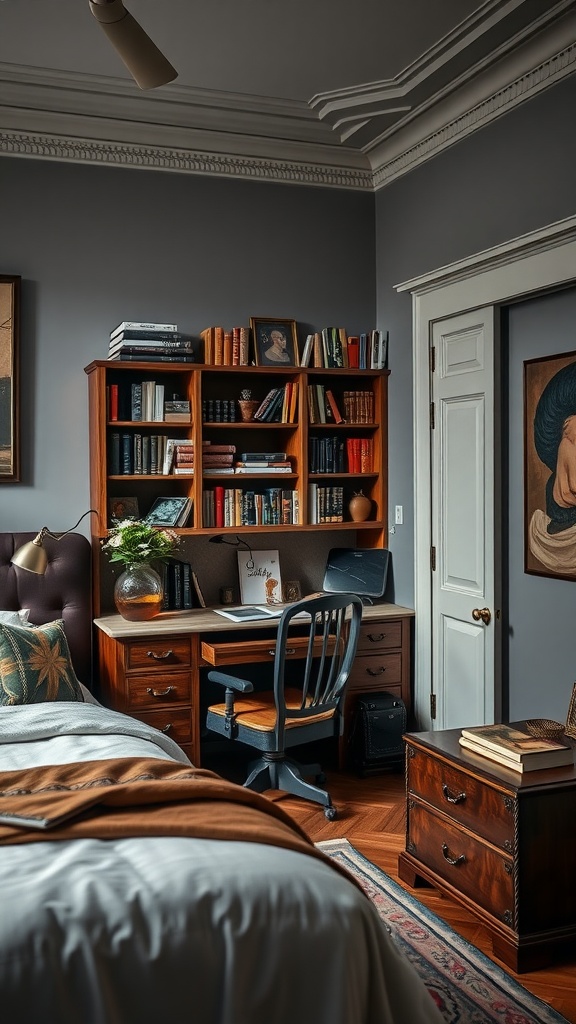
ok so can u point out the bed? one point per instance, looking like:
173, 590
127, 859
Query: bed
140, 923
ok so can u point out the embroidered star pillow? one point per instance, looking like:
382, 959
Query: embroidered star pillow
35, 665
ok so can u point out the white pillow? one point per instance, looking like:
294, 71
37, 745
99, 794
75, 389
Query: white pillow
19, 618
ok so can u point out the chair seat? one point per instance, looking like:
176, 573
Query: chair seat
259, 711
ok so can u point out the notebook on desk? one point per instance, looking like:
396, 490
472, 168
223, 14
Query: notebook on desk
252, 613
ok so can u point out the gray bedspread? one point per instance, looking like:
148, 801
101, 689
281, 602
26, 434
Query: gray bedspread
183, 931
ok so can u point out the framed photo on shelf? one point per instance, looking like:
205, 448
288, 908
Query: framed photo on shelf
549, 438
275, 341
9, 383
124, 508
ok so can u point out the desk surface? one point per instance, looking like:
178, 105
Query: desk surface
206, 620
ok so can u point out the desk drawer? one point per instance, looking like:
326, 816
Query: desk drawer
159, 653
474, 868
249, 652
376, 672
486, 810
177, 724
159, 690
379, 636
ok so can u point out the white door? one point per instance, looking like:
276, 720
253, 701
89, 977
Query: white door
464, 528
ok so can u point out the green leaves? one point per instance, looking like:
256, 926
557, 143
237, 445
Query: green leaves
134, 542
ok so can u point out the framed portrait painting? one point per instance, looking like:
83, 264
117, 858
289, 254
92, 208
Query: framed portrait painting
9, 383
550, 466
275, 341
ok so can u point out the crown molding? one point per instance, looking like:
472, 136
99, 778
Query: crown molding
392, 161
65, 116
39, 146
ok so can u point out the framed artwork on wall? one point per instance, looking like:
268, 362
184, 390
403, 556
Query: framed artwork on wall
9, 382
550, 466
275, 341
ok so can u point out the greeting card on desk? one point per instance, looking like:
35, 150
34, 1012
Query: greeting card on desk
260, 579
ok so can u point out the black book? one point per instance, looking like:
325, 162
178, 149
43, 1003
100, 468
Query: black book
187, 600
126, 453
115, 454
145, 358
176, 585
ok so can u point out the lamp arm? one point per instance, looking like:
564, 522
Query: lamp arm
45, 532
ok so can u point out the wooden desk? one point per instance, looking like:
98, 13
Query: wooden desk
500, 843
151, 670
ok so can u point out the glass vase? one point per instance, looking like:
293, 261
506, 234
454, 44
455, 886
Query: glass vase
138, 593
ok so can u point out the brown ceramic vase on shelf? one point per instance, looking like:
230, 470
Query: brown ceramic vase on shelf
359, 507
138, 593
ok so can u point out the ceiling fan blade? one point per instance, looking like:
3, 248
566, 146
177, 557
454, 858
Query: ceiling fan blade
147, 65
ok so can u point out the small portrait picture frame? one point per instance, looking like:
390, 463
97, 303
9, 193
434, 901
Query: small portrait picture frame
275, 341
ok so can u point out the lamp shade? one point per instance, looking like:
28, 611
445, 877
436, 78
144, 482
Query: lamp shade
31, 556
147, 65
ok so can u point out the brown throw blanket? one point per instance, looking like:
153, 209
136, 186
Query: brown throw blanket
123, 797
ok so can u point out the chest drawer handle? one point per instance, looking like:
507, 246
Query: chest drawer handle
376, 671
160, 693
289, 650
167, 727
458, 799
452, 860
375, 638
159, 657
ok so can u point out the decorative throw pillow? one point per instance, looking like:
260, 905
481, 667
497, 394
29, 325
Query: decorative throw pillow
35, 665
19, 618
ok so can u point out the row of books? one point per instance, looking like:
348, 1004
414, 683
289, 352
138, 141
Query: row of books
360, 454
219, 410
327, 455
515, 748
279, 405
226, 347
325, 504
333, 348
180, 587
322, 406
150, 342
234, 506
136, 453
144, 401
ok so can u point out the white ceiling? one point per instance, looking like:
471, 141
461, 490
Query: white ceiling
346, 93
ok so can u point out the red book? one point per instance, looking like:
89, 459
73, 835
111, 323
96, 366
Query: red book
113, 402
335, 410
219, 507
353, 352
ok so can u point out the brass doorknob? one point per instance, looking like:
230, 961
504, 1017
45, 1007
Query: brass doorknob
482, 613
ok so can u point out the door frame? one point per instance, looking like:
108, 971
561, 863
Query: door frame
531, 263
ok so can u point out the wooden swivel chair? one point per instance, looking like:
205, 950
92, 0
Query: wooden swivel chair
305, 709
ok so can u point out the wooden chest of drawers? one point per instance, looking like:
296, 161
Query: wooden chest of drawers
156, 681
500, 843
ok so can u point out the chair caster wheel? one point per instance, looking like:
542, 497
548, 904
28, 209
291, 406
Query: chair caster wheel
320, 779
330, 813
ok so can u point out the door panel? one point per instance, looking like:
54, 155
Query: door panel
463, 521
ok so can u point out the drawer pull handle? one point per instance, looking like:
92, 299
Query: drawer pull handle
452, 860
375, 638
160, 693
167, 727
376, 671
159, 657
289, 650
458, 799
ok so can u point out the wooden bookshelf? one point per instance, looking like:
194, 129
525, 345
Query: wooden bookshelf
202, 384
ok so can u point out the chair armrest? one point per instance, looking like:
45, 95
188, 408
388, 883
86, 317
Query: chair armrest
233, 682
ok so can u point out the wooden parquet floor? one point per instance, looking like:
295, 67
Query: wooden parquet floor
371, 817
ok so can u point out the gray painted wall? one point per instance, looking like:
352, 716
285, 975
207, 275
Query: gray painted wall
96, 246
542, 655
504, 180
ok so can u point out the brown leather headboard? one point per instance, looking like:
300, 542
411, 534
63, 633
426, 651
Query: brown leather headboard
64, 592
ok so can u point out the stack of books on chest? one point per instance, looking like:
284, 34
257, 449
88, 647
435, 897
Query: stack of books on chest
512, 748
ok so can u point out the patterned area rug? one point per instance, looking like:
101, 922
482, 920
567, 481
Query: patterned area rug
466, 986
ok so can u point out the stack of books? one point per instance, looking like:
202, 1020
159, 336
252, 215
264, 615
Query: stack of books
512, 748
152, 343
263, 462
